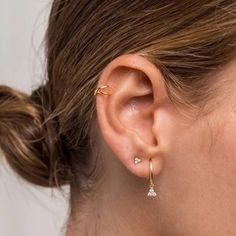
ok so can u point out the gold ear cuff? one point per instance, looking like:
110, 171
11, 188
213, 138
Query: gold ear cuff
102, 90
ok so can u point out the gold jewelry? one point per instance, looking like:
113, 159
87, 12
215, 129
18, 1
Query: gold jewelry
100, 90
137, 160
151, 192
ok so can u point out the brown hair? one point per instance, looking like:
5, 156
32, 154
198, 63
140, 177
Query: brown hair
46, 136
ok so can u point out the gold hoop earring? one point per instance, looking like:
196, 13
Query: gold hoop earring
100, 90
151, 192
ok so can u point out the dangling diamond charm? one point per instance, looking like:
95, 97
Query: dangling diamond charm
151, 192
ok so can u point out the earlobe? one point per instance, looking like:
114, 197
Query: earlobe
126, 109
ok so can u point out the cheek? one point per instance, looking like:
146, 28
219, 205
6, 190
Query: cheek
207, 148
222, 155
199, 174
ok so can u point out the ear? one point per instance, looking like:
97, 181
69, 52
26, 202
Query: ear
127, 117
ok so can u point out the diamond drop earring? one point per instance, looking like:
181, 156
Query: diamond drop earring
151, 192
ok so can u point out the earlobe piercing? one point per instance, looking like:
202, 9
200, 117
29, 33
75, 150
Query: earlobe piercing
137, 160
151, 192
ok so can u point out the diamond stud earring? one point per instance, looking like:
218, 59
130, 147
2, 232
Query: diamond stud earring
151, 192
137, 160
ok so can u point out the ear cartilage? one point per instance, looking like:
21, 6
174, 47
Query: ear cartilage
137, 160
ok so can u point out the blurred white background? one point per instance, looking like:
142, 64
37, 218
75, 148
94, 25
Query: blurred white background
26, 210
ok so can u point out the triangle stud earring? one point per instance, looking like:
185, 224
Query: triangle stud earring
137, 160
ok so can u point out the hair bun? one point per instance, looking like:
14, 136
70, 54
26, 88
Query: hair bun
31, 144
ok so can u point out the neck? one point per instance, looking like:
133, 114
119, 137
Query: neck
119, 207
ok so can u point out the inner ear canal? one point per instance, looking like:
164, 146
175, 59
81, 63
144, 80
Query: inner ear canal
139, 103
134, 119
145, 98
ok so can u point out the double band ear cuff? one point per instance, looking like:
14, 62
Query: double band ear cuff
102, 90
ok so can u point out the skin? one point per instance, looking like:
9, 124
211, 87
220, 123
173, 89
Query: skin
193, 158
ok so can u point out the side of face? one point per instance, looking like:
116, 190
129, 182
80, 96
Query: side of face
198, 180
194, 158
